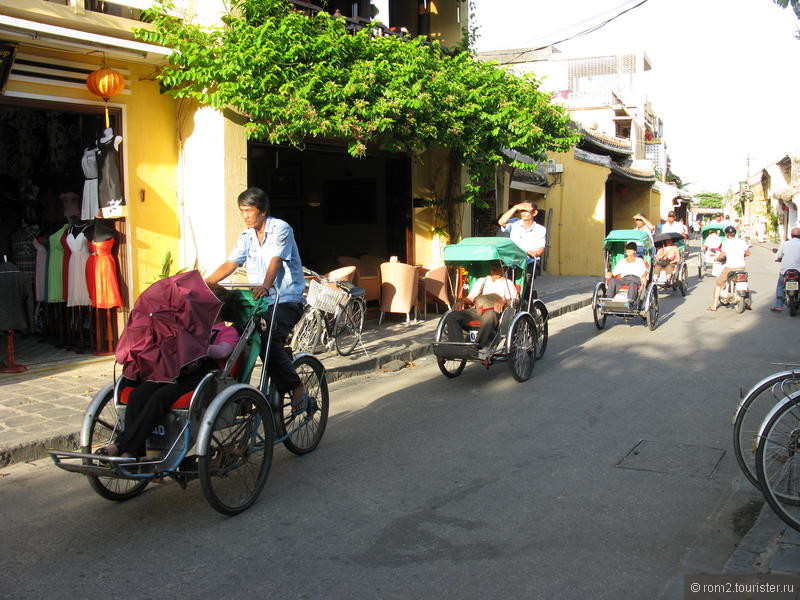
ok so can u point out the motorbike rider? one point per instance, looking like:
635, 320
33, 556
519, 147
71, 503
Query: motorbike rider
789, 257
732, 252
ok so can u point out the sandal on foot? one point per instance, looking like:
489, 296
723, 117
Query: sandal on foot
300, 405
711, 309
776, 308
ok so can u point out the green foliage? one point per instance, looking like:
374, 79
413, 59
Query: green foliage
166, 266
296, 78
709, 200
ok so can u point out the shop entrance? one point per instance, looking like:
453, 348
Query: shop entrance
337, 205
58, 177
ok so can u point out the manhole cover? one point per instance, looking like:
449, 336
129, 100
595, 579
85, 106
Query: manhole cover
680, 459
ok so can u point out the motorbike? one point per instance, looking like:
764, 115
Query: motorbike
736, 291
791, 285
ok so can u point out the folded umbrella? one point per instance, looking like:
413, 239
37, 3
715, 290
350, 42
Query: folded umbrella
169, 327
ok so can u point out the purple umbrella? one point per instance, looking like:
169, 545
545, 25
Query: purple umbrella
169, 327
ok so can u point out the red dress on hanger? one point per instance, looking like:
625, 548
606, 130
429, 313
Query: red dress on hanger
101, 275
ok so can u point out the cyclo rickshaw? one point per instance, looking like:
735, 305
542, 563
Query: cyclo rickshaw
707, 260
521, 335
221, 433
646, 303
679, 278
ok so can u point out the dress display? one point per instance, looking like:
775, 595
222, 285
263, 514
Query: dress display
41, 268
16, 302
78, 290
90, 203
101, 275
110, 190
65, 265
55, 266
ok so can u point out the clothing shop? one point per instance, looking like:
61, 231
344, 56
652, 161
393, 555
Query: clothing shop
60, 210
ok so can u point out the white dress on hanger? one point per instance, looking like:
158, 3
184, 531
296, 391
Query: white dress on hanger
78, 294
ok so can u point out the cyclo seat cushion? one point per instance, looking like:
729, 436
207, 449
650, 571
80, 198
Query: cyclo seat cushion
181, 403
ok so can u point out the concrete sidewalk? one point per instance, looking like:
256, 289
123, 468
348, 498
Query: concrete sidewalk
42, 407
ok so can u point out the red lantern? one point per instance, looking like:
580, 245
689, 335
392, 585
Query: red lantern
106, 83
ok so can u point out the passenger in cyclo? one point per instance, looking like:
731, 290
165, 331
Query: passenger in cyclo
486, 300
712, 246
630, 271
667, 258
150, 401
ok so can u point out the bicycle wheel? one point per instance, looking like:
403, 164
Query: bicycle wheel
652, 308
450, 367
750, 413
540, 319
598, 313
522, 348
235, 461
307, 331
683, 286
106, 424
305, 430
778, 460
348, 326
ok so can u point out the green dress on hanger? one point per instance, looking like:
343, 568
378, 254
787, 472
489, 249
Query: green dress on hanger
55, 267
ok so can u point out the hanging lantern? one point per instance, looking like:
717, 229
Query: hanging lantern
106, 83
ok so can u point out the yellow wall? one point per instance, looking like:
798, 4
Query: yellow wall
578, 225
150, 154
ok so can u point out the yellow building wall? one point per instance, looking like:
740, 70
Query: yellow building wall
149, 148
577, 197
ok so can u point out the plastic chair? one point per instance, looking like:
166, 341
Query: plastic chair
398, 289
342, 274
435, 285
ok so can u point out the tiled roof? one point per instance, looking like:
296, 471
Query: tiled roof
635, 174
607, 142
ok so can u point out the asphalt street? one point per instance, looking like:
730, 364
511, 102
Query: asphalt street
592, 480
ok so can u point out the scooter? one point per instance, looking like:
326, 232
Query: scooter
791, 284
736, 291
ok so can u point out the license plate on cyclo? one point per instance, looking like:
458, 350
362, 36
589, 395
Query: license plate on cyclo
741, 286
792, 285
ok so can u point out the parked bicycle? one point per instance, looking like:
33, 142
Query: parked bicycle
333, 317
766, 441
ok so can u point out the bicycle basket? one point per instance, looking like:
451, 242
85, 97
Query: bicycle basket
324, 298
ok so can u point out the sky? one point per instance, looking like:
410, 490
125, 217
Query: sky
725, 78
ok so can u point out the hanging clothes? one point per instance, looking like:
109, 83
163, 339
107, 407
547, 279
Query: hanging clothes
16, 299
90, 205
65, 265
101, 275
22, 250
110, 190
78, 290
55, 266
41, 267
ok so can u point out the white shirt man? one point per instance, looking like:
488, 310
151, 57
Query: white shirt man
673, 226
733, 251
789, 257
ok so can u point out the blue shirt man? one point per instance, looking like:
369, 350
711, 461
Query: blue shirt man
268, 249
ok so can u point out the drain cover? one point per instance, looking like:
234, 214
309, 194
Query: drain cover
680, 459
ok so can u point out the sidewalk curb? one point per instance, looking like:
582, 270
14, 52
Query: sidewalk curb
37, 449
54, 366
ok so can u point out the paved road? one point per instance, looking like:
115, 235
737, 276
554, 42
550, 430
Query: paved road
592, 480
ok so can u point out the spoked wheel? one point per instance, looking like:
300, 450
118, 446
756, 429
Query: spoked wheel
235, 462
450, 367
522, 347
348, 326
751, 412
306, 428
540, 320
106, 425
792, 302
740, 302
597, 310
778, 461
683, 286
306, 333
700, 269
652, 307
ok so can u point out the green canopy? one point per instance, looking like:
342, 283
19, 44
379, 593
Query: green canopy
477, 254
712, 227
642, 238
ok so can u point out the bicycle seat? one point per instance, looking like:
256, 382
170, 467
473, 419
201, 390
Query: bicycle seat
351, 288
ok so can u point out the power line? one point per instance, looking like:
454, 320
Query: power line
577, 35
